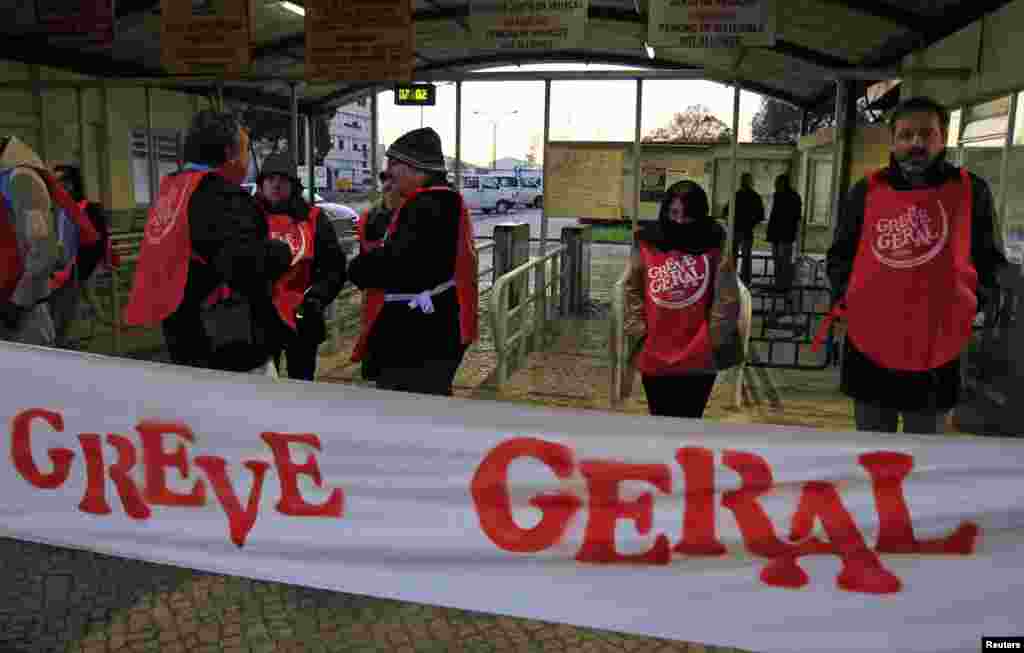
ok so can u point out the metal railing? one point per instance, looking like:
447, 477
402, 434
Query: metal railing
515, 335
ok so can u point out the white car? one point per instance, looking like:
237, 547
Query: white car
489, 193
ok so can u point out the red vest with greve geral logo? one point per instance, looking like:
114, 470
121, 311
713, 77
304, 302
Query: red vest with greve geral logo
466, 281
300, 236
164, 257
678, 289
912, 295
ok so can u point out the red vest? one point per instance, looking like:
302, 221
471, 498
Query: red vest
912, 294
89, 238
11, 265
162, 269
466, 282
300, 236
678, 290
366, 245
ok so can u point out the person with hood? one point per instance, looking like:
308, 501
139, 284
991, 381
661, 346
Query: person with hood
37, 243
317, 272
421, 280
669, 291
783, 225
67, 283
207, 262
914, 251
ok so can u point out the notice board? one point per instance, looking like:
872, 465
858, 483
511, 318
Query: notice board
584, 181
206, 36
359, 40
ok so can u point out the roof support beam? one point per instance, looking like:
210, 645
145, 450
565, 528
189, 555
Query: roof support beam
906, 19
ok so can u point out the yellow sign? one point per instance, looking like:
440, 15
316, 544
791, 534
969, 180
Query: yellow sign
359, 40
211, 37
583, 182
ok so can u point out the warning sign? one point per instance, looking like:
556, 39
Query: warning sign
206, 36
705, 24
528, 24
359, 40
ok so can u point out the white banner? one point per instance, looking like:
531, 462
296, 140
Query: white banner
689, 24
528, 24
759, 537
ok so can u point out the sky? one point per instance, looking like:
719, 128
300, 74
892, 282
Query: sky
509, 116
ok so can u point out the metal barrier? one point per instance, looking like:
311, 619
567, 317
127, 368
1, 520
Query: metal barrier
512, 348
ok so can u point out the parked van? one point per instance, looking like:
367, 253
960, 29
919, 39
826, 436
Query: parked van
489, 193
531, 192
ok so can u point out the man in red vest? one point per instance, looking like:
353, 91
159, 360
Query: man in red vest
914, 250
421, 281
317, 273
41, 229
207, 261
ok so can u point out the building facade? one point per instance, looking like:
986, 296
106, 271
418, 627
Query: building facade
348, 161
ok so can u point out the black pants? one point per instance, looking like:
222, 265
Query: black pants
301, 360
871, 416
782, 256
430, 377
678, 396
743, 248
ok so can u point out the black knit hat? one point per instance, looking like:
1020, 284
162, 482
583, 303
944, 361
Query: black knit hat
420, 148
279, 164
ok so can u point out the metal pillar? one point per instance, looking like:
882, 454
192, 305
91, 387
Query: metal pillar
79, 99
544, 168
840, 149
804, 118
150, 148
735, 168
374, 135
636, 157
458, 136
107, 195
310, 171
1004, 166
294, 145
220, 97
40, 109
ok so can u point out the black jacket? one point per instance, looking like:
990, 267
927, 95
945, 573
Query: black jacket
749, 212
934, 390
90, 257
228, 229
419, 256
784, 222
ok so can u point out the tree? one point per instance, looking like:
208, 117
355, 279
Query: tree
694, 125
776, 122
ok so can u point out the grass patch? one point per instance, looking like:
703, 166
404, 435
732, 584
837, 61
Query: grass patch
616, 233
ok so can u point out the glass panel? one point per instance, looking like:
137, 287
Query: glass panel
954, 128
1018, 131
997, 107
991, 130
986, 162
821, 188
489, 183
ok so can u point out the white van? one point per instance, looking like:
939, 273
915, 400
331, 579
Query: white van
486, 193
531, 192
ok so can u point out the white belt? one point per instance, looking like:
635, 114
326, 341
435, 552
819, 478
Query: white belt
420, 300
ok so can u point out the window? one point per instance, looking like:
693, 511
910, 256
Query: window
341, 143
489, 183
471, 182
527, 182
361, 103
821, 191
508, 182
168, 147
1018, 131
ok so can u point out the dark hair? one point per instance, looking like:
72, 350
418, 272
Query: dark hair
208, 135
694, 199
72, 180
782, 179
919, 104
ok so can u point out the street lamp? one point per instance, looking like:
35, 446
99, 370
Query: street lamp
494, 132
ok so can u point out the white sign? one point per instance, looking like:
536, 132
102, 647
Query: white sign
320, 175
689, 24
758, 537
528, 24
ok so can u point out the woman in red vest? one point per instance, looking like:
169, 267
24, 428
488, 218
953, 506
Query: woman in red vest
421, 281
317, 273
67, 291
913, 253
669, 291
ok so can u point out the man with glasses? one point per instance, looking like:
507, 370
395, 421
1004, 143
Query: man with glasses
914, 252
419, 272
